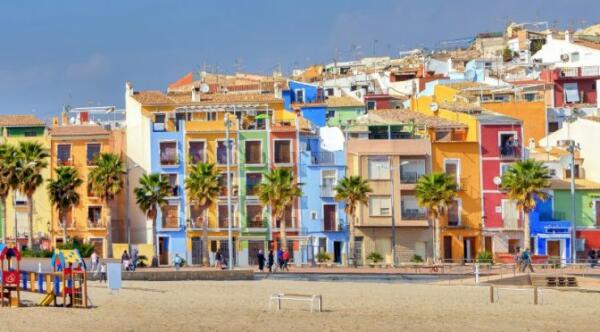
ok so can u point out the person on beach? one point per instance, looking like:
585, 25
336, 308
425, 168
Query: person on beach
280, 258
592, 258
134, 258
286, 257
218, 259
177, 261
261, 260
94, 258
103, 272
518, 259
125, 260
526, 261
271, 260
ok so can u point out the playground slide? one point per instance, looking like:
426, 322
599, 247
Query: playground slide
47, 300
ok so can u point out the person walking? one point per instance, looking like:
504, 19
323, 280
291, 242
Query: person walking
518, 258
218, 259
526, 261
286, 257
103, 272
134, 258
95, 259
592, 258
271, 260
280, 259
125, 260
177, 261
261, 260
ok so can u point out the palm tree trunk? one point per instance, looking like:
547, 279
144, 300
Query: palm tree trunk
108, 229
351, 242
4, 220
154, 244
282, 234
526, 232
30, 215
205, 260
64, 223
15, 220
436, 240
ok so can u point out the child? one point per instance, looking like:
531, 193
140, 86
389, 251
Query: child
103, 272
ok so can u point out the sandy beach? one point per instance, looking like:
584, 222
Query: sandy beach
227, 306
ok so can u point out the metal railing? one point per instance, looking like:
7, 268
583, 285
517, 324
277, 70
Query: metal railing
509, 152
96, 224
414, 214
410, 177
327, 190
323, 158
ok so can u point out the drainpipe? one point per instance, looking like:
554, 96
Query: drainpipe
297, 124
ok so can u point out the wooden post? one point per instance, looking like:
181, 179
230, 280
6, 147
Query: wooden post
535, 295
491, 293
84, 289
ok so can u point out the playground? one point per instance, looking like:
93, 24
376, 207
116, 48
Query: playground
350, 306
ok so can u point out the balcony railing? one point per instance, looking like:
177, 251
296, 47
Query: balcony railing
410, 177
169, 160
96, 224
414, 214
65, 162
587, 71
170, 222
323, 158
327, 190
254, 222
158, 126
509, 152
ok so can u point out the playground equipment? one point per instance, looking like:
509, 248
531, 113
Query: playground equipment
67, 280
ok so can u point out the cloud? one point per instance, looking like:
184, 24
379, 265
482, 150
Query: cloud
95, 66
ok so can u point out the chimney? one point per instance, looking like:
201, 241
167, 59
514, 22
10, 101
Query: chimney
128, 89
55, 121
196, 94
450, 70
568, 37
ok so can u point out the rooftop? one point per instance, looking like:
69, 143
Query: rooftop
158, 98
401, 116
20, 121
581, 184
343, 102
78, 130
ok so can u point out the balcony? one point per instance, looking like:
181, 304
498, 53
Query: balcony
255, 222
96, 224
323, 158
573, 72
410, 177
159, 126
414, 214
64, 161
509, 152
328, 190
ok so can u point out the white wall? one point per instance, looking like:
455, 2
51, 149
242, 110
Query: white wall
553, 49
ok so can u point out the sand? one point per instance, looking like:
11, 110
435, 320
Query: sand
242, 305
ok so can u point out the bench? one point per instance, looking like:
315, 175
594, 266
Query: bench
279, 297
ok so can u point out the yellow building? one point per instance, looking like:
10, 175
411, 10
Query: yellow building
78, 146
27, 128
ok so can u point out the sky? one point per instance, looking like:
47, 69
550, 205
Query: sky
81, 53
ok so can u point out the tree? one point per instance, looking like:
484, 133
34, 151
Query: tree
278, 191
32, 158
106, 180
202, 185
435, 192
525, 181
63, 194
150, 196
353, 191
7, 180
507, 54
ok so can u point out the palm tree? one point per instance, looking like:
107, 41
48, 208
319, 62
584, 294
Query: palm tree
525, 181
435, 192
353, 191
150, 196
31, 160
63, 194
278, 191
7, 180
202, 185
106, 180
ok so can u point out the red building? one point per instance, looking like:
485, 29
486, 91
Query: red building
575, 85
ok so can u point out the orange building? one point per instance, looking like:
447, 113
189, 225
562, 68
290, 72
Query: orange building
78, 146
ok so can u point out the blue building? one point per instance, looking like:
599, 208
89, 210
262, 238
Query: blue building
168, 159
308, 99
550, 232
323, 221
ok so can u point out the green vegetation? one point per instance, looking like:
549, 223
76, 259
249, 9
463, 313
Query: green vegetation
375, 257
85, 249
150, 196
323, 257
485, 257
63, 194
416, 259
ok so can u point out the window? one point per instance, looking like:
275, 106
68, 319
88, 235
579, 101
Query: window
283, 151
329, 92
63, 154
90, 190
30, 133
597, 212
223, 222
252, 182
222, 152
452, 169
504, 167
211, 116
196, 150
223, 184
329, 217
170, 215
94, 216
411, 170
168, 153
371, 105
172, 180
20, 199
380, 206
508, 145
553, 126
510, 214
253, 152
575, 57
254, 214
93, 151
571, 92
299, 95
288, 217
379, 168
454, 213
513, 246
328, 182
22, 222
443, 135
197, 216
568, 172
159, 122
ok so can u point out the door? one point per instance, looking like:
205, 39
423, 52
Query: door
163, 251
488, 243
197, 250
597, 211
469, 249
98, 246
553, 248
254, 246
384, 247
448, 248
329, 217
225, 250
337, 252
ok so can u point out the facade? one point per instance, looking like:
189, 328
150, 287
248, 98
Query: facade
324, 226
78, 146
27, 128
341, 110
551, 231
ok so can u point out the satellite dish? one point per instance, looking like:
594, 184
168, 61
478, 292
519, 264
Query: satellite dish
204, 88
470, 75
434, 107
497, 180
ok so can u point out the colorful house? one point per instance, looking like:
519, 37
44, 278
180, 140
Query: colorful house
550, 231
341, 110
27, 128
78, 145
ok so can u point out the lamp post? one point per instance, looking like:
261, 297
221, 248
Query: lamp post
228, 157
128, 221
572, 148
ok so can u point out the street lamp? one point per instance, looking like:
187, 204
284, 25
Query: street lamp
572, 148
227, 122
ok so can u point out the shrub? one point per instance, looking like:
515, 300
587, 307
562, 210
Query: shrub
141, 261
416, 259
323, 257
375, 257
484, 257
36, 253
85, 249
